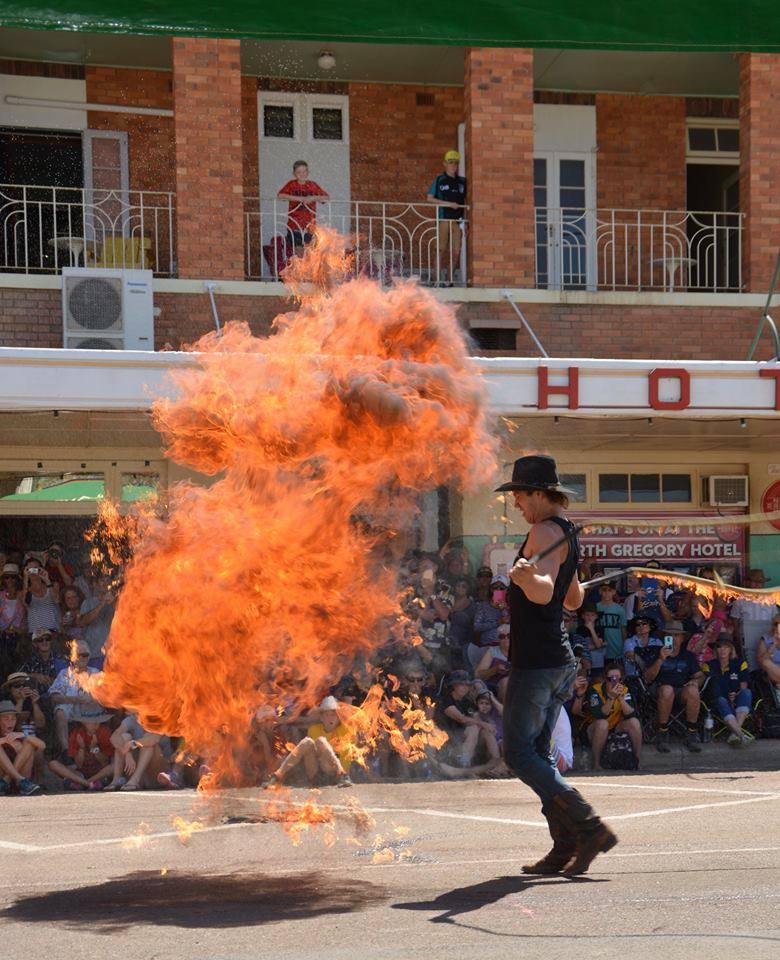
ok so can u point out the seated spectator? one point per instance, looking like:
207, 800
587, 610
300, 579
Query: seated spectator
90, 754
43, 666
562, 744
17, 754
612, 622
489, 708
488, 614
456, 562
493, 666
70, 613
638, 650
683, 607
68, 698
21, 690
702, 644
610, 709
579, 638
768, 656
303, 195
483, 579
41, 598
676, 677
728, 693
431, 607
54, 564
325, 753
138, 757
457, 715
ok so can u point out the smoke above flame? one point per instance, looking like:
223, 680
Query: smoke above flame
264, 587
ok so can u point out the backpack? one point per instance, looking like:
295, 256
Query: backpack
618, 754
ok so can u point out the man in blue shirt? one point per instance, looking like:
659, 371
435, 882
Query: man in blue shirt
448, 192
727, 692
677, 677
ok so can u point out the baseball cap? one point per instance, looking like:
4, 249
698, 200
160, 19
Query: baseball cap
724, 640
451, 155
10, 569
674, 626
39, 634
484, 572
458, 676
329, 703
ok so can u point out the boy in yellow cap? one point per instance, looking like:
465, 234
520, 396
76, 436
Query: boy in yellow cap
448, 192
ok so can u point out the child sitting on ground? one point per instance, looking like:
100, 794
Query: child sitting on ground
90, 754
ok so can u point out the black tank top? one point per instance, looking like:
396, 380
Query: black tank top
538, 638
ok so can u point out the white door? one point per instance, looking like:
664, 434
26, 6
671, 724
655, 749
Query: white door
106, 185
301, 126
565, 221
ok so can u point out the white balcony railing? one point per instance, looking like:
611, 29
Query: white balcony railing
47, 228
580, 249
391, 240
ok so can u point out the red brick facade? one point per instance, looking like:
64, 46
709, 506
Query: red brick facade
398, 137
150, 139
640, 163
759, 186
500, 140
209, 157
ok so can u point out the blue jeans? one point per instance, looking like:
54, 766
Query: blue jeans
533, 701
723, 707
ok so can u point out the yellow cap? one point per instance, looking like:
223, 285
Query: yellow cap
452, 155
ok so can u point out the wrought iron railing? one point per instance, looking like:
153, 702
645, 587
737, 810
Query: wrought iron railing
672, 250
389, 240
43, 229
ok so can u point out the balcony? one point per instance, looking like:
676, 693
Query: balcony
668, 250
47, 228
391, 240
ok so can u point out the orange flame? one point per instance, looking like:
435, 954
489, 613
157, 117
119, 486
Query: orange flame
186, 828
265, 586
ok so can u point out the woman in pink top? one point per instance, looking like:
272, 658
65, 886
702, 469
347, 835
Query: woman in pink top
702, 645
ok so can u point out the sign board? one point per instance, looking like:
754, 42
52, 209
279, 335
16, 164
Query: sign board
770, 502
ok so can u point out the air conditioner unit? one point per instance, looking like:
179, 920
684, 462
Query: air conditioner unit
726, 491
107, 309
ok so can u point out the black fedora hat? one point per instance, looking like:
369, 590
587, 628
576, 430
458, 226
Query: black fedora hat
535, 473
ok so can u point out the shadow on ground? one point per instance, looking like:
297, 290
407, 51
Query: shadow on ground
179, 899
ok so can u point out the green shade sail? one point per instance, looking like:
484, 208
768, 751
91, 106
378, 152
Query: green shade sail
72, 491
610, 24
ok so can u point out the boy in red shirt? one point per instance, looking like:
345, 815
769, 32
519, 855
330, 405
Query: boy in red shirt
303, 195
91, 753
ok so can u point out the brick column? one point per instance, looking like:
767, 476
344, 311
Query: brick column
499, 102
209, 161
759, 166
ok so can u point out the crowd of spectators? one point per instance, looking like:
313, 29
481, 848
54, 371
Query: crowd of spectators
653, 663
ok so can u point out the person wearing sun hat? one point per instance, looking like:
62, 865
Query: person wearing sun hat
448, 192
728, 692
543, 666
17, 753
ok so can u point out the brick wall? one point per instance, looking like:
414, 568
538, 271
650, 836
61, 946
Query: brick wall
150, 139
30, 318
249, 135
641, 151
500, 138
759, 186
630, 332
398, 137
209, 157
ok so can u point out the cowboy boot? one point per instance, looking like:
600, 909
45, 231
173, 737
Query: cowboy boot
563, 849
591, 835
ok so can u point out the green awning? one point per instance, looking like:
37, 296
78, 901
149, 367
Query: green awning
72, 491
613, 24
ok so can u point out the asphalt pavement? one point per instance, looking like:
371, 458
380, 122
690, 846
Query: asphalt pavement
413, 871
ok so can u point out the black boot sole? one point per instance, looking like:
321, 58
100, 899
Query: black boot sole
600, 841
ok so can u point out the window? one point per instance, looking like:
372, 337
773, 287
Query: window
327, 123
713, 141
139, 486
644, 488
613, 487
494, 338
577, 482
278, 122
66, 487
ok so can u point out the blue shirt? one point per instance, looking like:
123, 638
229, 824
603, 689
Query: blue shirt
445, 187
677, 671
723, 682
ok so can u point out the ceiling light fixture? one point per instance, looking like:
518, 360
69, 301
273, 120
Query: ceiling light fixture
326, 60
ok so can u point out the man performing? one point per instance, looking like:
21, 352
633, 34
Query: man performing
543, 665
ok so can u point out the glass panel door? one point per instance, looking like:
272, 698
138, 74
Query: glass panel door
563, 198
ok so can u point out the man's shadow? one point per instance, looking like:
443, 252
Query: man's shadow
462, 900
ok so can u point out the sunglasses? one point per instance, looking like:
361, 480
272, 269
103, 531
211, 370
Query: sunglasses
43, 640
16, 686
614, 679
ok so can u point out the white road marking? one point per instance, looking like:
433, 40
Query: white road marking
608, 784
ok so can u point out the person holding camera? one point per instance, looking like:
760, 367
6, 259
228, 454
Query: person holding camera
41, 598
26, 699
53, 561
610, 709
677, 677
